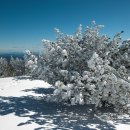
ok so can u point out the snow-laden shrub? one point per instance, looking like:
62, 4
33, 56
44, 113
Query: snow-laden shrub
30, 63
11, 67
3, 67
122, 57
99, 85
17, 66
87, 68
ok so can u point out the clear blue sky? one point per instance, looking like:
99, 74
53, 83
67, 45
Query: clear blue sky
24, 23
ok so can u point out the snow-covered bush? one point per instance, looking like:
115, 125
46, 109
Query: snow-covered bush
101, 84
122, 57
3, 67
11, 67
17, 66
30, 63
87, 68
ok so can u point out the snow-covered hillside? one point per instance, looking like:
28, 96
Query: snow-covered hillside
22, 106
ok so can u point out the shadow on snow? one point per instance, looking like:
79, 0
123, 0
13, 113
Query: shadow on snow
52, 115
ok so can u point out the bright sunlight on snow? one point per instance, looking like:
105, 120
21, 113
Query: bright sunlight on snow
22, 106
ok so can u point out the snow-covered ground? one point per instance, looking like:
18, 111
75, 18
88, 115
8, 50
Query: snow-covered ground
22, 107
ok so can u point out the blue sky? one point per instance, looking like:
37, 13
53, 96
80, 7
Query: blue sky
24, 23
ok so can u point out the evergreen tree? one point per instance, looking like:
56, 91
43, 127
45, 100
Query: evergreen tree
86, 68
30, 63
17, 66
3, 67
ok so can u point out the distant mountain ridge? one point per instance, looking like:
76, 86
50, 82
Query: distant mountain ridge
8, 55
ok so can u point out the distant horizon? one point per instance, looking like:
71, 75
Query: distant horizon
17, 51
